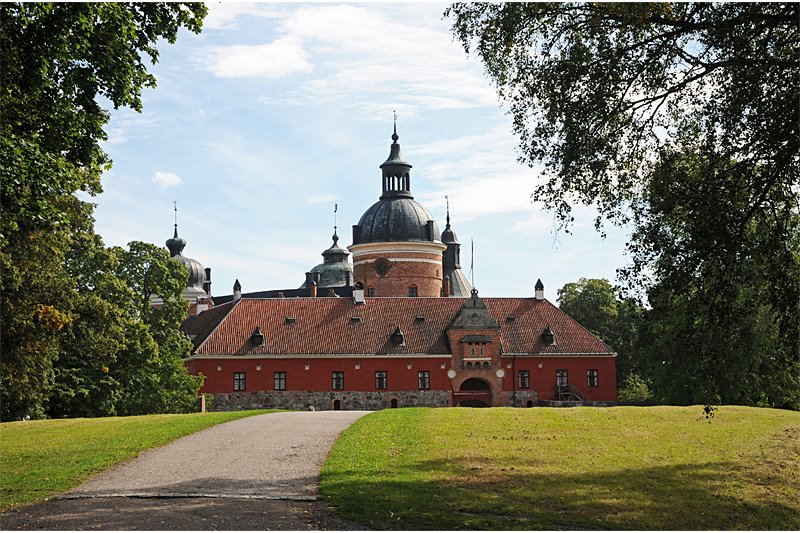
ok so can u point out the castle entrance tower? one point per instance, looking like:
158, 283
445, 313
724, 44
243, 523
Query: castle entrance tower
397, 247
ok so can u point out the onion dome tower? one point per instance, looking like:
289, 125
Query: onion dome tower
195, 287
397, 247
335, 270
455, 282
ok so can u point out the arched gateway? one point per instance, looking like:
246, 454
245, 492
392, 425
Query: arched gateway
473, 392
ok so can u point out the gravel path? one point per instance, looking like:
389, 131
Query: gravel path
260, 472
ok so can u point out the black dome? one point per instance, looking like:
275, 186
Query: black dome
197, 274
395, 219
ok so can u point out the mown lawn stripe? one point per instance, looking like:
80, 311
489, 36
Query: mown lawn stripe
582, 468
41, 458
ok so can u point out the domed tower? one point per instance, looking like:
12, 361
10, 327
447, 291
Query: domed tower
335, 270
397, 247
197, 284
455, 283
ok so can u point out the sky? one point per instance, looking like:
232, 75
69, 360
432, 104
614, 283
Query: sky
276, 113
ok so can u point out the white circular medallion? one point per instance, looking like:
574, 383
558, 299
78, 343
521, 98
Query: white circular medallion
451, 374
500, 373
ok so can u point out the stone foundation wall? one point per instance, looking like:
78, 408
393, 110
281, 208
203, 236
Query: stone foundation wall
524, 397
324, 401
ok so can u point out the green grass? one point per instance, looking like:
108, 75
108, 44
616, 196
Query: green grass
581, 468
40, 458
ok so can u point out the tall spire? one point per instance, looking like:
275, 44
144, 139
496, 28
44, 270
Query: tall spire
396, 170
175, 244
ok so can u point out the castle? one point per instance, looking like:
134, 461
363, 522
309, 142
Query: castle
399, 326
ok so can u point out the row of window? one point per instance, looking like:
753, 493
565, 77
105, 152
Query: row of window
562, 378
337, 380
423, 379
412, 292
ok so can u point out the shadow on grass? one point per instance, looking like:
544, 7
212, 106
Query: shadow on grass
674, 497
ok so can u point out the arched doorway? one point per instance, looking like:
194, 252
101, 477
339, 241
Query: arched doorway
337, 405
473, 392
474, 384
393, 403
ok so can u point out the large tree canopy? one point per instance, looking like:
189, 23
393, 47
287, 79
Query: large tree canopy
596, 89
682, 119
62, 314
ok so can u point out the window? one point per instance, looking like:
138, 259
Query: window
412, 291
280, 380
238, 381
338, 380
593, 378
524, 379
424, 379
561, 378
371, 292
380, 379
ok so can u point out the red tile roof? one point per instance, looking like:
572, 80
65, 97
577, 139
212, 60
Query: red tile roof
329, 326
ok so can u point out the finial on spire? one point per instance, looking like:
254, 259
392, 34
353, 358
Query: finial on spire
394, 135
335, 235
447, 199
175, 206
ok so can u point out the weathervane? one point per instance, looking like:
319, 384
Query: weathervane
335, 235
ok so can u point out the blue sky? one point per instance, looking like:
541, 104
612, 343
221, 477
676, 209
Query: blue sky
276, 112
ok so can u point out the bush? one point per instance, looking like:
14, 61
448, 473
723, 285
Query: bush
634, 390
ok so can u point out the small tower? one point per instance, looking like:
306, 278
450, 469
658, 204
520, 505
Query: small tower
335, 269
459, 286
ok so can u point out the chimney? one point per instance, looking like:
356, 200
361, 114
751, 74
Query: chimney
312, 289
207, 283
347, 278
309, 278
237, 290
447, 290
538, 290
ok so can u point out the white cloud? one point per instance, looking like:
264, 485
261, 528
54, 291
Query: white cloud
223, 15
282, 57
361, 54
166, 179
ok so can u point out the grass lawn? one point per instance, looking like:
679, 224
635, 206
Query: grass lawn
40, 458
640, 468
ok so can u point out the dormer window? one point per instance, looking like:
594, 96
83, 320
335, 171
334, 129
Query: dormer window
548, 338
398, 338
290, 319
257, 337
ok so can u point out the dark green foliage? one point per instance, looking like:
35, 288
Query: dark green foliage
682, 119
63, 314
594, 303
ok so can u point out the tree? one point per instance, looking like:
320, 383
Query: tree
682, 119
594, 303
58, 62
150, 368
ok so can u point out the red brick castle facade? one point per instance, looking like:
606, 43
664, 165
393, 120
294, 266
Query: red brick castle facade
401, 327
